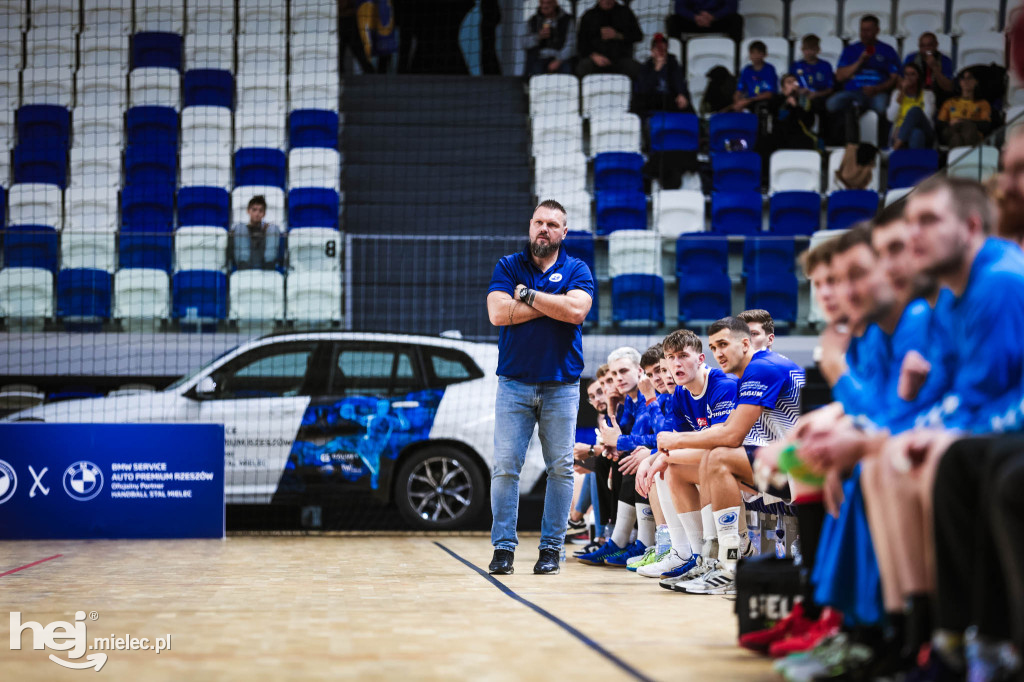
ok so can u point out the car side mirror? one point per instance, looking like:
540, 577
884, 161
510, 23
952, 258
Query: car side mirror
206, 387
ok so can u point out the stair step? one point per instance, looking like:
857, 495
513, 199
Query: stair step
425, 219
434, 177
498, 198
372, 115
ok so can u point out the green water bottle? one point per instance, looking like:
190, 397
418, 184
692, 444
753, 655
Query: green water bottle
790, 463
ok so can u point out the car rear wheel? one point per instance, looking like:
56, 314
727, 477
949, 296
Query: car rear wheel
440, 488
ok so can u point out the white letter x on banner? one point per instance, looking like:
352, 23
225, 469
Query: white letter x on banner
38, 482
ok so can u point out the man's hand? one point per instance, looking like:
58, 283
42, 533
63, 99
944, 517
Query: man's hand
839, 449
629, 464
913, 373
932, 62
641, 475
610, 434
609, 33
740, 104
545, 31
646, 387
834, 343
554, 65
600, 59
652, 466
580, 451
682, 102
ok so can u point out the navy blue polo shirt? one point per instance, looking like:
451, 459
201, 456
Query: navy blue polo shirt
876, 70
543, 349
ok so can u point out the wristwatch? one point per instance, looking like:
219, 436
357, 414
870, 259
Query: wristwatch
524, 294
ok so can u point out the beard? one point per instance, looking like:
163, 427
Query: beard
540, 250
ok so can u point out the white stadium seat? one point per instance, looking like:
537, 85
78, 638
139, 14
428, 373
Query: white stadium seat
312, 53
95, 167
98, 86
210, 17
678, 211
13, 15
606, 93
853, 10
976, 163
156, 86
812, 16
915, 17
308, 248
97, 126
35, 203
61, 14
314, 167
159, 15
314, 296
261, 91
614, 133
323, 11
109, 17
9, 98
970, 17
143, 293
274, 196
831, 49
262, 17
205, 166
795, 170
577, 209
255, 127
836, 158
41, 85
26, 292
560, 172
762, 17
100, 49
5, 168
981, 48
869, 127
206, 125
256, 295
314, 90
210, 51
10, 49
87, 249
261, 53
557, 133
634, 252
200, 248
7, 132
778, 53
560, 89
705, 53
90, 209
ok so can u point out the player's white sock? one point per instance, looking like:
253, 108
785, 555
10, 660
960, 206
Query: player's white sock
692, 526
732, 539
645, 525
680, 543
710, 548
625, 518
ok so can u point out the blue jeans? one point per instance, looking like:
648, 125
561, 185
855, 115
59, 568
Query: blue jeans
916, 130
518, 409
588, 497
843, 100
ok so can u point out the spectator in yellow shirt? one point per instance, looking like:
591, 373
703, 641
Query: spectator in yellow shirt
965, 120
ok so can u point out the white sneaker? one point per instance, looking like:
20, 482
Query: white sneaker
695, 575
657, 569
719, 580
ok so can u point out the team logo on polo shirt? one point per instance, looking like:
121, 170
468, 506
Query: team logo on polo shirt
555, 278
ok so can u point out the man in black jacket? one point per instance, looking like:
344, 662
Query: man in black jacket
607, 33
662, 83
549, 41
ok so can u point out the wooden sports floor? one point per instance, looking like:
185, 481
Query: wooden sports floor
364, 607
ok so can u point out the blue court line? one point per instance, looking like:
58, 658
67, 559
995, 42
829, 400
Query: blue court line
626, 667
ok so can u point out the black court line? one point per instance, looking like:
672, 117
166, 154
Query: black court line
626, 667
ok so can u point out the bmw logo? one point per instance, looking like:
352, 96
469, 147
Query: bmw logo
8, 481
83, 481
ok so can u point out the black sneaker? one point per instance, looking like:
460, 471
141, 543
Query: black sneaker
547, 564
501, 562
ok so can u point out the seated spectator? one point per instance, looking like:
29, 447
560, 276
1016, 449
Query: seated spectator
911, 109
706, 16
255, 245
815, 79
965, 120
758, 80
721, 88
549, 41
607, 33
662, 83
868, 70
794, 121
936, 67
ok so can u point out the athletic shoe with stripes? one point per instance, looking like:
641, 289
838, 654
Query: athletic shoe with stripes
699, 568
619, 559
596, 558
670, 561
719, 580
695, 575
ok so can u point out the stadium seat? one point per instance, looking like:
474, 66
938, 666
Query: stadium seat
554, 92
313, 90
88, 249
261, 92
728, 126
853, 10
203, 166
260, 166
981, 48
794, 213
555, 174
914, 17
706, 52
678, 211
555, 133
256, 295
638, 301
159, 15
9, 97
55, 13
7, 130
143, 293
317, 11
262, 17
895, 195
213, 50
314, 249
14, 14
146, 250
45, 125
154, 86
577, 210
313, 167
26, 292
775, 292
209, 87
199, 294
97, 126
30, 246
261, 53
618, 170
313, 207
274, 197
704, 296
35, 204
211, 18
778, 51
100, 86
209, 126
313, 297
91, 208
204, 206
83, 293
254, 128
50, 47
605, 94
15, 397
850, 206
152, 126
970, 17
701, 253
634, 253
150, 164
313, 52
736, 171
768, 254
762, 17
812, 16
909, 166
835, 159
795, 170
33, 163
156, 49
313, 128
96, 166
976, 163
41, 85
11, 48
673, 131
107, 17
147, 208
621, 210
869, 127
614, 133
736, 212
200, 248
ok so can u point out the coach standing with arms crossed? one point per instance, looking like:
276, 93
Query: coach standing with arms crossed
539, 299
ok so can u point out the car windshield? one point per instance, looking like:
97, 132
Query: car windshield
188, 377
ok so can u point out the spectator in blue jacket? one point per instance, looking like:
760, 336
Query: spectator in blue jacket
706, 16
758, 80
868, 71
662, 83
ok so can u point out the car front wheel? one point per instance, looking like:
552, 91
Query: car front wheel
440, 488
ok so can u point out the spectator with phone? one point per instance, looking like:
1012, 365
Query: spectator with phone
549, 40
868, 70
937, 68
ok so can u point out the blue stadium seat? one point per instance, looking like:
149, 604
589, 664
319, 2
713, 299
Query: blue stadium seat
312, 207
146, 208
580, 244
621, 210
728, 126
849, 206
83, 292
736, 171
736, 212
151, 164
704, 295
907, 167
768, 254
204, 206
674, 132
638, 301
211, 87
145, 251
44, 124
152, 125
701, 254
260, 166
618, 171
313, 128
794, 213
775, 292
33, 163
30, 246
204, 290
156, 49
